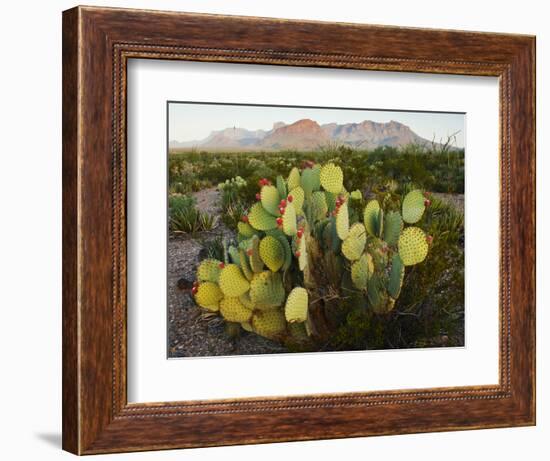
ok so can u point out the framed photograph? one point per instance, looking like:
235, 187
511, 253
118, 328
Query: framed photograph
280, 230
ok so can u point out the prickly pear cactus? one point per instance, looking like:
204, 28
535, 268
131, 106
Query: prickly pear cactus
302, 248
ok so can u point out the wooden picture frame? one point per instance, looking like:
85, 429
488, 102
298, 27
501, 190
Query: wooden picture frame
97, 43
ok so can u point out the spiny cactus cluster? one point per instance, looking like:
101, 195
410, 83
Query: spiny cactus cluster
301, 250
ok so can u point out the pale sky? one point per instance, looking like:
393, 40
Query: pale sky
195, 121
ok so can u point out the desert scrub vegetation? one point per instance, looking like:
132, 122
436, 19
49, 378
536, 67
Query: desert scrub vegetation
365, 170
185, 217
316, 267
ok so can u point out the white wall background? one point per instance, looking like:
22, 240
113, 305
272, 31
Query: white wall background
30, 230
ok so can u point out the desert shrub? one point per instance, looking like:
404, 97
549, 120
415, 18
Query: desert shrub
185, 217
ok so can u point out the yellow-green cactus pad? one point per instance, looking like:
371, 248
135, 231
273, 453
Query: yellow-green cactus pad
245, 265
272, 253
370, 217
380, 223
233, 253
286, 250
413, 206
319, 207
412, 245
260, 219
293, 179
296, 306
256, 263
281, 186
289, 220
354, 244
297, 198
393, 225
232, 281
301, 248
396, 277
209, 270
342, 221
332, 178
267, 290
208, 295
331, 200
245, 229
270, 324
246, 301
356, 195
247, 326
233, 310
376, 294
360, 273
311, 180
270, 199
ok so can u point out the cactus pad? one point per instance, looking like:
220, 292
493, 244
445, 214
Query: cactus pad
376, 294
256, 263
245, 229
245, 265
208, 295
342, 221
296, 305
331, 200
289, 220
413, 206
270, 324
260, 219
311, 180
412, 245
270, 199
354, 244
267, 290
233, 310
286, 250
246, 301
209, 270
272, 253
247, 326
332, 178
396, 276
370, 217
319, 206
360, 272
393, 225
232, 281
293, 179
281, 186
298, 198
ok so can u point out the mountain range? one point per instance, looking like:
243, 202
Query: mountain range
307, 134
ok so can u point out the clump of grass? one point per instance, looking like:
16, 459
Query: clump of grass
184, 217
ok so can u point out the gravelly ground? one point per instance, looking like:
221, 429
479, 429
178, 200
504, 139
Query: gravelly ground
191, 333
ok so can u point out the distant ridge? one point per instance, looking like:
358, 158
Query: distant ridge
307, 134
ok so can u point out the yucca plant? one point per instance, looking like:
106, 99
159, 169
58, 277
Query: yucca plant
303, 252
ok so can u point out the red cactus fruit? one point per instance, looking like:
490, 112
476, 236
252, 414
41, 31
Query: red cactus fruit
427, 202
282, 203
279, 221
427, 194
281, 210
249, 252
258, 196
195, 289
244, 218
290, 198
221, 265
429, 239
300, 232
297, 254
